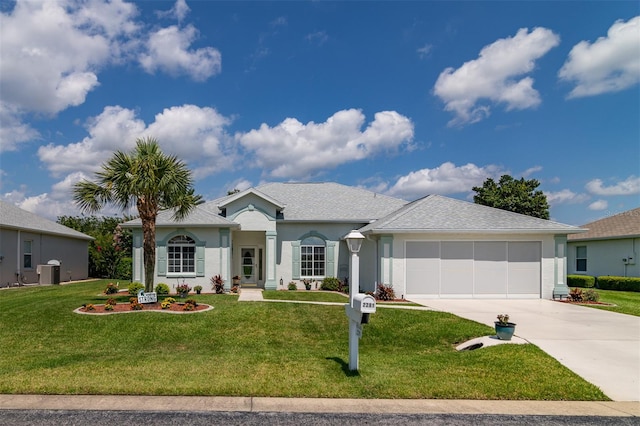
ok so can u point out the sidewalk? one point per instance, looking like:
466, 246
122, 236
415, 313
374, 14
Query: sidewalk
316, 405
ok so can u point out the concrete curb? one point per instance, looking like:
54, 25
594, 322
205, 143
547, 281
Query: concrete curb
316, 405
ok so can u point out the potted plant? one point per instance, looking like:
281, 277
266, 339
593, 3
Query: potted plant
198, 289
236, 280
504, 328
217, 284
307, 283
183, 290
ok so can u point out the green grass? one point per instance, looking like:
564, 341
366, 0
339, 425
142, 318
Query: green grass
260, 349
304, 295
626, 302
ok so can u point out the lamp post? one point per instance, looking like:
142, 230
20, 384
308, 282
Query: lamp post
354, 242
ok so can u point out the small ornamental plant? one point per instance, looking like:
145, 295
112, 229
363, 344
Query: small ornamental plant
111, 288
183, 289
170, 300
89, 307
135, 306
190, 305
135, 287
108, 307
503, 319
111, 301
165, 304
292, 286
235, 289
198, 289
217, 284
385, 292
162, 288
191, 302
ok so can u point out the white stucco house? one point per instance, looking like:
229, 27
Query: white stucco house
28, 240
609, 247
432, 247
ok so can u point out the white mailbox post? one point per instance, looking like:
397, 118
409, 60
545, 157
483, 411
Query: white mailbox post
360, 305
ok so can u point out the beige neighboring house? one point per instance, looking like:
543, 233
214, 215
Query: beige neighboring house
609, 247
28, 241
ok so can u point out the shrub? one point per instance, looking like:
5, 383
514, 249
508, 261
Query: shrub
619, 283
135, 287
584, 281
590, 295
111, 289
111, 301
183, 289
293, 286
162, 289
191, 302
170, 300
165, 304
108, 307
331, 284
188, 307
217, 284
385, 292
89, 307
135, 306
576, 294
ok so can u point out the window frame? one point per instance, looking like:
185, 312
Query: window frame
185, 259
581, 259
27, 254
313, 258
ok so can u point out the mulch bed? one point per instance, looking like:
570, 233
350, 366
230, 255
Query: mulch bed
585, 303
175, 308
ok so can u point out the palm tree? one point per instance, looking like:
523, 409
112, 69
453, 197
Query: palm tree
150, 179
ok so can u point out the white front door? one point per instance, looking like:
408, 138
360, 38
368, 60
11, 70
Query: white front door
248, 265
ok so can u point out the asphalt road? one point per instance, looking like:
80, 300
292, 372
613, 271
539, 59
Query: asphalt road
93, 417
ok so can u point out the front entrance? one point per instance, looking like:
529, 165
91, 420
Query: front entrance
248, 266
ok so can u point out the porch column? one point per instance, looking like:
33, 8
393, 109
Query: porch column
560, 288
270, 261
225, 257
385, 253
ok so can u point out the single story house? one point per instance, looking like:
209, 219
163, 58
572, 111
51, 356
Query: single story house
432, 247
28, 240
609, 247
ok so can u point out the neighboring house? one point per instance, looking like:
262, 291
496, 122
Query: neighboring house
433, 247
28, 240
609, 247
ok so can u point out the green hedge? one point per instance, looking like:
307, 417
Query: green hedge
619, 283
584, 281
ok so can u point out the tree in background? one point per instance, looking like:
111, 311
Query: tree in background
110, 251
519, 196
151, 180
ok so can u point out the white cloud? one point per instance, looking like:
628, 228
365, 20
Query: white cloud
565, 196
531, 170
179, 11
318, 37
424, 51
610, 64
629, 186
444, 179
13, 131
196, 135
296, 150
168, 49
599, 205
494, 76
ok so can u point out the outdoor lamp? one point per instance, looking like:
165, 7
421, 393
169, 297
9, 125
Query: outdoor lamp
354, 241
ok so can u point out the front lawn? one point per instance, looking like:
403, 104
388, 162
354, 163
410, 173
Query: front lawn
260, 349
625, 302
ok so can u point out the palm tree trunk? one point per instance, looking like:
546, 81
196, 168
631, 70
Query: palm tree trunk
149, 243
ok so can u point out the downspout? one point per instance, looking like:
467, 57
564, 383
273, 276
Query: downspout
18, 271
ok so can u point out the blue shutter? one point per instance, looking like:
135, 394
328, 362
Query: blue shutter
200, 260
295, 260
161, 253
330, 270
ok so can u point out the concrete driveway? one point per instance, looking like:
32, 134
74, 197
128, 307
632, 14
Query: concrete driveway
600, 346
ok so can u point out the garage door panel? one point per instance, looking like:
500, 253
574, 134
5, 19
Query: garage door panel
524, 267
456, 276
423, 267
490, 267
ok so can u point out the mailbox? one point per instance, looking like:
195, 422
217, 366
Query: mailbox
364, 303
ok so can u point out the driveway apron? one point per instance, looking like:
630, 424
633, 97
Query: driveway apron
600, 346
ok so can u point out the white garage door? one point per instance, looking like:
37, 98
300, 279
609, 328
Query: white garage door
473, 268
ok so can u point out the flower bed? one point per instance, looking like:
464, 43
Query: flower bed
119, 308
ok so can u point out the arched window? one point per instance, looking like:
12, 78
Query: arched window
312, 257
181, 255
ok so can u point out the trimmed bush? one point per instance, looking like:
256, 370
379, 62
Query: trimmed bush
135, 287
331, 284
583, 281
619, 283
292, 286
590, 295
162, 289
385, 292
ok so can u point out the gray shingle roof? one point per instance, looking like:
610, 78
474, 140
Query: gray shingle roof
13, 217
622, 225
436, 213
199, 217
330, 202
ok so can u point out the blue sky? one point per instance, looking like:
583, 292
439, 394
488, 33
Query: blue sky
403, 98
